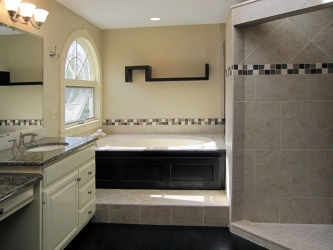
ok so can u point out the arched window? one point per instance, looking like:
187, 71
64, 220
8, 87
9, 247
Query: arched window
78, 100
81, 98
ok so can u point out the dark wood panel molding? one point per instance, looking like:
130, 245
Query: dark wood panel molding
149, 78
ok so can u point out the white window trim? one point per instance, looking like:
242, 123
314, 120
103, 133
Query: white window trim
89, 45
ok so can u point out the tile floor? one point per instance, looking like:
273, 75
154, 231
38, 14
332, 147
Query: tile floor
107, 236
286, 236
162, 207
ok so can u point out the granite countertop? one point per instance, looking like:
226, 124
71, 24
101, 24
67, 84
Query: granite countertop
9, 158
13, 183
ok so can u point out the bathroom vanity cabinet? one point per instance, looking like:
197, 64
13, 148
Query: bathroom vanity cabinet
64, 201
68, 197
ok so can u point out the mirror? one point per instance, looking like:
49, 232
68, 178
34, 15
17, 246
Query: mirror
21, 100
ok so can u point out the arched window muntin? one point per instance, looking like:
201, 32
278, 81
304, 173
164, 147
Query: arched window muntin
83, 38
78, 63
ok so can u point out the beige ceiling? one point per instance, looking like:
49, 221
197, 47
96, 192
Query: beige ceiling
116, 14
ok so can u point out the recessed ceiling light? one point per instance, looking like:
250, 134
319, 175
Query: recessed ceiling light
155, 19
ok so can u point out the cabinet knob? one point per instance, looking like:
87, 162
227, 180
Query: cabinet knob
1, 211
90, 173
90, 212
78, 179
89, 192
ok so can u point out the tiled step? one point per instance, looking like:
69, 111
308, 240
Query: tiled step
286, 236
162, 207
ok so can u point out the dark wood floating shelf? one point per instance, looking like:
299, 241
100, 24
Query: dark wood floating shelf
148, 73
21, 83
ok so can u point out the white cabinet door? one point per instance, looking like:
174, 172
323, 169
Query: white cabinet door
60, 212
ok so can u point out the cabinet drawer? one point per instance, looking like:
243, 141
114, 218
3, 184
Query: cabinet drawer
67, 165
13, 204
86, 172
87, 192
86, 213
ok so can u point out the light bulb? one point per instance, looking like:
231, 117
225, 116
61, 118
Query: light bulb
27, 9
12, 5
40, 15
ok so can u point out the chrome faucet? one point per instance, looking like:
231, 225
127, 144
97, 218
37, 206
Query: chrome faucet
14, 147
32, 142
99, 132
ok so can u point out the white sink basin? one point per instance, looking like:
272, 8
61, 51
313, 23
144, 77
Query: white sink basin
46, 148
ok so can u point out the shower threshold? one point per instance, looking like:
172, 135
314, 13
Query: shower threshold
286, 236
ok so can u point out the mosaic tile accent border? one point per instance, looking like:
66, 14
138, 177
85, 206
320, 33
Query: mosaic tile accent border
164, 121
17, 122
280, 69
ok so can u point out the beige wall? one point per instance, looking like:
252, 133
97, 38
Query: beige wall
178, 51
60, 23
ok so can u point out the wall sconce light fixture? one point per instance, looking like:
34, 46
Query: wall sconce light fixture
26, 12
53, 54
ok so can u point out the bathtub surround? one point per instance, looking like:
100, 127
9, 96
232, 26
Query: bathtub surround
279, 125
195, 162
162, 207
163, 129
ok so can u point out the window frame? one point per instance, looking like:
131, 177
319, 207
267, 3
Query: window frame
83, 37
82, 105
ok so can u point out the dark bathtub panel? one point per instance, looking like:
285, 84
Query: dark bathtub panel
135, 172
153, 171
196, 169
192, 172
106, 172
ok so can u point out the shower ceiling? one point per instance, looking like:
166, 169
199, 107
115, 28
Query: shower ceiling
116, 14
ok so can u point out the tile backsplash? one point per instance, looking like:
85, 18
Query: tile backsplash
164, 126
164, 121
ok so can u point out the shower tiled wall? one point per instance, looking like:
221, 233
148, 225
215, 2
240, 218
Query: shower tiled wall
282, 141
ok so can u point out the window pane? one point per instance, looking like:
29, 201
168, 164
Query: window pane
70, 69
77, 63
81, 53
78, 104
72, 50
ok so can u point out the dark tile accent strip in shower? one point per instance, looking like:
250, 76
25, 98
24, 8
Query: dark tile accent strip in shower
164, 121
280, 69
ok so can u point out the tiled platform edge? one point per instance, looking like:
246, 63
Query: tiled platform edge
286, 236
121, 209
